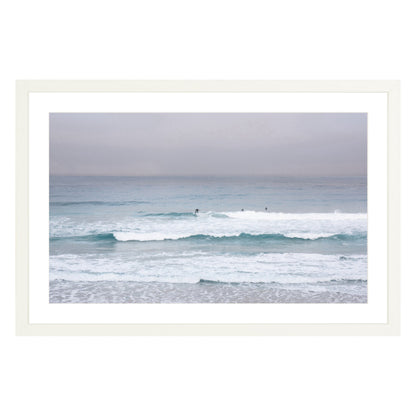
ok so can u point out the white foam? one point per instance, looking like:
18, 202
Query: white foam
291, 268
311, 226
273, 216
309, 236
130, 236
155, 236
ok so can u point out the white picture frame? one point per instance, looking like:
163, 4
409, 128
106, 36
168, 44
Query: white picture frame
27, 168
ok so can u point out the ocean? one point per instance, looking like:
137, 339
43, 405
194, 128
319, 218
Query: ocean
252, 240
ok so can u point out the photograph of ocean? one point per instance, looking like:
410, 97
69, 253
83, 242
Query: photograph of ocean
208, 208
208, 239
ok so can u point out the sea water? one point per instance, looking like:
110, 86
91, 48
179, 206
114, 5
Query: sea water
208, 239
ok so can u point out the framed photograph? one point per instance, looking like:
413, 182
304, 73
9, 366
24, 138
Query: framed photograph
207, 208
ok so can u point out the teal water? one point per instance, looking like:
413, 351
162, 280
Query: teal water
303, 237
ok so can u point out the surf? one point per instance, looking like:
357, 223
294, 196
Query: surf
147, 237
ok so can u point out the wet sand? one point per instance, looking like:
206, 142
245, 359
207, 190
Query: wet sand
63, 291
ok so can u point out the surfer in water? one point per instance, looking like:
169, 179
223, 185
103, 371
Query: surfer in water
196, 211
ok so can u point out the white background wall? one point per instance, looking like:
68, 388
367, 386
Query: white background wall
207, 40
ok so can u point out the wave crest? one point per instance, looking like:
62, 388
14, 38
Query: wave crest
133, 236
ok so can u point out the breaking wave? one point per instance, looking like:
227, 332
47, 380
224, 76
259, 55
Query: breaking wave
144, 237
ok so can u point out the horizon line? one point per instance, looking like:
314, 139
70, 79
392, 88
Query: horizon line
213, 175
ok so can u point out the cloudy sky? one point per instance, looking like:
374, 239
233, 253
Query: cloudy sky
153, 144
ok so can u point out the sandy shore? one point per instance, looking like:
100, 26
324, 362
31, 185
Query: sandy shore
62, 291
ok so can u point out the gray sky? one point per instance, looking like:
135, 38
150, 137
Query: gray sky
208, 144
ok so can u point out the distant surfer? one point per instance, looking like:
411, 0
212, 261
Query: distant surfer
265, 209
242, 209
196, 211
